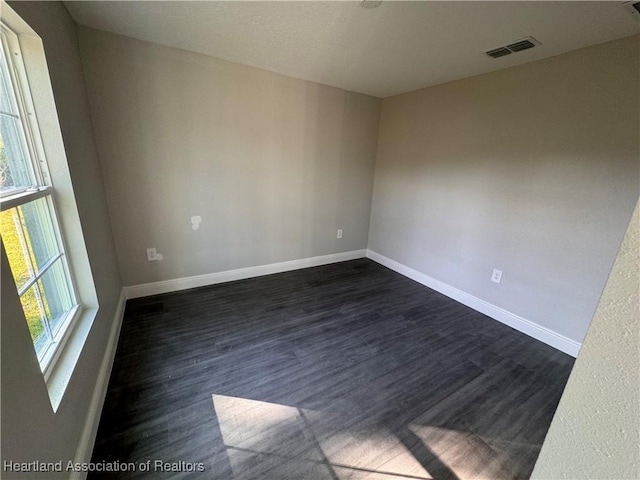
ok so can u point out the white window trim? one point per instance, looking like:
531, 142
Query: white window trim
18, 74
61, 362
44, 189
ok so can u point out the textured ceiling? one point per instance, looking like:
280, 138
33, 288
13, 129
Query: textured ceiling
395, 48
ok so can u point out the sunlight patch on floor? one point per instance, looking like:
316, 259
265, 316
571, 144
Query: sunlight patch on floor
462, 454
270, 440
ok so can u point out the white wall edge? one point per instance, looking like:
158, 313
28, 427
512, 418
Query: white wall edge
545, 335
155, 288
88, 437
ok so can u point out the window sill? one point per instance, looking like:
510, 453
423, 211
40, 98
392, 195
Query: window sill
62, 370
54, 349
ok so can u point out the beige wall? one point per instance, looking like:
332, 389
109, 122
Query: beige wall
532, 170
273, 165
596, 430
30, 429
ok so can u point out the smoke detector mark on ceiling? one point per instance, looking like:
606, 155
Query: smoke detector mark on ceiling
370, 3
515, 47
633, 8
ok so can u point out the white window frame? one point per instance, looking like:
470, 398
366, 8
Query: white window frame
42, 190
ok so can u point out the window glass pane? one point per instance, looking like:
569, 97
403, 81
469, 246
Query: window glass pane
7, 99
14, 158
54, 291
33, 311
6, 180
29, 230
15, 164
16, 247
39, 232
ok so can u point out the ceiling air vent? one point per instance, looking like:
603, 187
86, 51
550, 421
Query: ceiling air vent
520, 45
498, 52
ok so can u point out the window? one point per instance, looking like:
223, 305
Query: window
28, 222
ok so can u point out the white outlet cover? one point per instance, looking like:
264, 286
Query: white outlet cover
496, 276
339, 234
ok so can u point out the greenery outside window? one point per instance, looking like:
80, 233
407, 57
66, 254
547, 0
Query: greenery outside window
28, 221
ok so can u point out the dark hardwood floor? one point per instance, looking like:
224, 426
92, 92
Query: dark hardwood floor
346, 371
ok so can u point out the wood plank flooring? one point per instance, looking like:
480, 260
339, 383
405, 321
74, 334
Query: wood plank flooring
345, 371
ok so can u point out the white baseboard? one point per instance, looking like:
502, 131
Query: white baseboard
174, 285
85, 446
88, 437
521, 324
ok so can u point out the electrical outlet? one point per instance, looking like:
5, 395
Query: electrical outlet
496, 276
339, 234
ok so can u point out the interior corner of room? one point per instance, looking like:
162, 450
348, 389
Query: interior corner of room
508, 190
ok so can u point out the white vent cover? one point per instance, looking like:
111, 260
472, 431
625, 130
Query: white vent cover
518, 46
